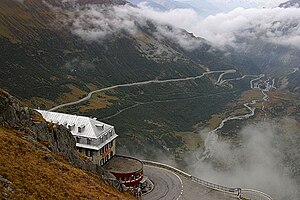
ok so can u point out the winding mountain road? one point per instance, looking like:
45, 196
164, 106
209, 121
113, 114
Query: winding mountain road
169, 184
264, 87
142, 83
172, 186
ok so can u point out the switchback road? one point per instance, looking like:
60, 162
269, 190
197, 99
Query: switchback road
167, 185
171, 186
142, 83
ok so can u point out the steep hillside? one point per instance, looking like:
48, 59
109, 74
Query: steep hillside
45, 59
56, 51
30, 172
39, 160
293, 81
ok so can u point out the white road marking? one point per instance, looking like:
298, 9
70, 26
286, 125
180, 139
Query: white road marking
181, 182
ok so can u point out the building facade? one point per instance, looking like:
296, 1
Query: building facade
94, 139
128, 170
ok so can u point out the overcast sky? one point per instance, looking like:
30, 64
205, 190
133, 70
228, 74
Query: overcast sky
247, 3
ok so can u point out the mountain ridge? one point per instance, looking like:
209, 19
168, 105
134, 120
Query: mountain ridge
290, 4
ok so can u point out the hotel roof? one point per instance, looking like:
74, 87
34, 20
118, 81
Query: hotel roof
80, 126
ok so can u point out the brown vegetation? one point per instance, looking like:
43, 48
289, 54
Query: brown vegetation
30, 172
74, 94
98, 101
191, 140
236, 108
282, 102
18, 20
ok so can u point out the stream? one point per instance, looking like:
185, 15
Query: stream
256, 83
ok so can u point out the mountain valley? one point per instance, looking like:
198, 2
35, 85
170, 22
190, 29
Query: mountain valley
172, 96
67, 71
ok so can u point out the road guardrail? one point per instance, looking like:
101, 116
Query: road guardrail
266, 196
234, 191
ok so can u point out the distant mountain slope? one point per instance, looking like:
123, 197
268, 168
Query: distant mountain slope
203, 8
56, 51
290, 4
162, 5
294, 82
273, 59
43, 58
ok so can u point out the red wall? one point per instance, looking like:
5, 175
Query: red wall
129, 183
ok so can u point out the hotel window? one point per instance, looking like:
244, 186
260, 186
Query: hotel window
88, 153
88, 141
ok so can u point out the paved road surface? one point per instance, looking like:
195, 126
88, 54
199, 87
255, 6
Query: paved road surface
141, 83
171, 186
256, 195
167, 185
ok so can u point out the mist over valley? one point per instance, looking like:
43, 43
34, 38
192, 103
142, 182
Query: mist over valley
209, 87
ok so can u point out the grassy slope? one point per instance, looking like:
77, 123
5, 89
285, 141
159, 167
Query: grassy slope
161, 111
41, 59
36, 70
34, 177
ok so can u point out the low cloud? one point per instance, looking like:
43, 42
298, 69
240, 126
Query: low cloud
99, 22
274, 25
267, 159
179, 36
96, 23
78, 64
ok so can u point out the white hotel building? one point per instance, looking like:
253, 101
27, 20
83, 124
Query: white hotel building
95, 139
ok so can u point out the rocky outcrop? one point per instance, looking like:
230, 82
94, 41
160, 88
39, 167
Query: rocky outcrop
11, 114
47, 136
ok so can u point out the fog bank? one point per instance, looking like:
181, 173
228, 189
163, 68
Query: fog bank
266, 158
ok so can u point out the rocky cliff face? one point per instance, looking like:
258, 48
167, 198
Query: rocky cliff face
46, 136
